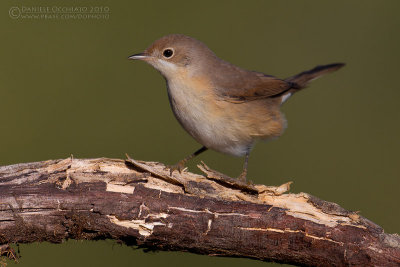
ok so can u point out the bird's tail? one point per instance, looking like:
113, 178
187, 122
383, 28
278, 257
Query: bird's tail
302, 79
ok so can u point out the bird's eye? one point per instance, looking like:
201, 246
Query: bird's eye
168, 53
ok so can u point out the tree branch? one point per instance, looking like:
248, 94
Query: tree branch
139, 203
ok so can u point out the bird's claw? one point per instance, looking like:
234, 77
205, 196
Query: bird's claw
243, 177
180, 166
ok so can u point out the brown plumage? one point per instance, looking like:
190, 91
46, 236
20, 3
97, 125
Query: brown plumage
224, 107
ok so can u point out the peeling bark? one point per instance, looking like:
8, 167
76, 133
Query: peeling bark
141, 204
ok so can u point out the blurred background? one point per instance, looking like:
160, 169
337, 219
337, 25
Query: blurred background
67, 87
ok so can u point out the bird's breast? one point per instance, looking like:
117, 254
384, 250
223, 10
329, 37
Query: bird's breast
196, 108
191, 103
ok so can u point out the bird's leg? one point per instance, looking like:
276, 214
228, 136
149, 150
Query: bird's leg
242, 176
181, 164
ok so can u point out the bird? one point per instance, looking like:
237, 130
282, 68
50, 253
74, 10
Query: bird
222, 106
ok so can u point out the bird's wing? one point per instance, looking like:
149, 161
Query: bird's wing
245, 86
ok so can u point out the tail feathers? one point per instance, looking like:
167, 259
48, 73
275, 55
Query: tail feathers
302, 79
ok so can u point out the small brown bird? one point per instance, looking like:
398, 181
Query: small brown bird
222, 106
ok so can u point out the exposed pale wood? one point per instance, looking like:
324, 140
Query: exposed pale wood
141, 204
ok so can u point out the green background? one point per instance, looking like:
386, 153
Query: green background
66, 87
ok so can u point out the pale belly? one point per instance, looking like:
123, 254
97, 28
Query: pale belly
206, 122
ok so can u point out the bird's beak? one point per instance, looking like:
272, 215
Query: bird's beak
140, 56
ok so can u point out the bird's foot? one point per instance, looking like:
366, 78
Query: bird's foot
180, 166
242, 177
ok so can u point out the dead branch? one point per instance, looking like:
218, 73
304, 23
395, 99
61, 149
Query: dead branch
141, 204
